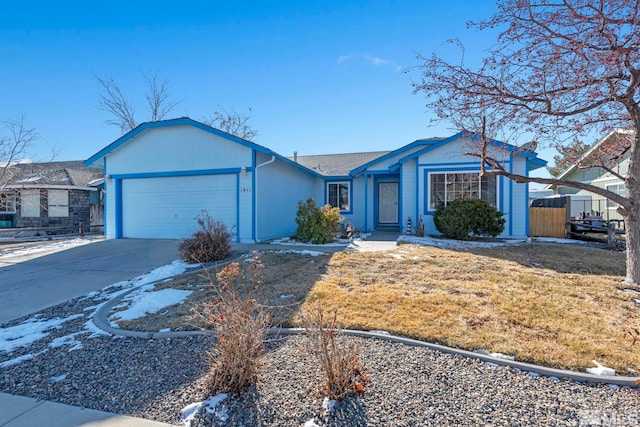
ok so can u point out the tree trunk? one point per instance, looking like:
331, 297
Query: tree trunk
632, 226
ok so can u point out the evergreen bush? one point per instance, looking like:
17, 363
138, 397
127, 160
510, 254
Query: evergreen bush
467, 218
317, 225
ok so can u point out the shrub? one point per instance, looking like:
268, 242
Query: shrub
317, 225
211, 243
239, 323
338, 357
464, 218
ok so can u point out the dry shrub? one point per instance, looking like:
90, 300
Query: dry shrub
337, 356
211, 243
240, 323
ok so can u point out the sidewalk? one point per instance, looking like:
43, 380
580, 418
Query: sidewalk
18, 411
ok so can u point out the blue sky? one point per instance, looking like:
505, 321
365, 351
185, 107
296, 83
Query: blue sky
319, 76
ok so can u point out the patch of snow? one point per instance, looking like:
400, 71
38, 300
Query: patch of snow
165, 272
311, 423
48, 247
303, 252
502, 356
613, 386
561, 241
189, 412
287, 296
165, 330
69, 340
328, 404
396, 256
30, 331
31, 179
16, 360
288, 242
57, 379
455, 244
380, 332
601, 370
145, 301
533, 374
213, 405
94, 330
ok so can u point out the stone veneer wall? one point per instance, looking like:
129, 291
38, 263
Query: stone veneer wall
79, 212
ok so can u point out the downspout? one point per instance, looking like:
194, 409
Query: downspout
255, 195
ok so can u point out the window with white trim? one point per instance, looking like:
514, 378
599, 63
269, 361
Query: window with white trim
30, 203
444, 187
58, 203
7, 203
338, 195
620, 189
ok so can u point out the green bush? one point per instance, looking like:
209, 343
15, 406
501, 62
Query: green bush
211, 243
317, 224
465, 218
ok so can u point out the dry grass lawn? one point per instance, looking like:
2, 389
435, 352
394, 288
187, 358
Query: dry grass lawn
550, 304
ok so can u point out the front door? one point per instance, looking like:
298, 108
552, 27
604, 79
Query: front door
388, 203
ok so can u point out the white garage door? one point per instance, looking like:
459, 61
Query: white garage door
166, 207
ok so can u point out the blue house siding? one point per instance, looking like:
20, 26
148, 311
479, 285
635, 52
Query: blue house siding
279, 188
256, 191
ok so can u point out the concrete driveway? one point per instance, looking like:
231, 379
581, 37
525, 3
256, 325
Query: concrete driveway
32, 285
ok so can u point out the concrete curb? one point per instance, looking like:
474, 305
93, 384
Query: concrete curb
100, 320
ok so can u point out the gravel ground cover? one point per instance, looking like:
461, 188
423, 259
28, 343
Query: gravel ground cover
155, 379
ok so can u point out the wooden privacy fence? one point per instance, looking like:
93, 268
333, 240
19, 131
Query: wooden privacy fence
547, 222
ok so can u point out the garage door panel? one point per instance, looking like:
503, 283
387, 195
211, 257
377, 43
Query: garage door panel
166, 207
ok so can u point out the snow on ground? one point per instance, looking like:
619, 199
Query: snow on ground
340, 242
562, 241
45, 247
303, 252
212, 405
29, 331
455, 244
145, 300
68, 340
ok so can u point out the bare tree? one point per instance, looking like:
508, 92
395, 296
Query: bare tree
15, 139
560, 69
232, 122
123, 110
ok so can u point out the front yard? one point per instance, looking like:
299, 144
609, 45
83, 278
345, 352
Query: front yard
556, 305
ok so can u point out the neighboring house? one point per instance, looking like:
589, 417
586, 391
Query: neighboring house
613, 151
52, 195
161, 175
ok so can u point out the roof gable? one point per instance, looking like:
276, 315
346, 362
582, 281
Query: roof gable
613, 147
69, 173
187, 121
533, 161
391, 154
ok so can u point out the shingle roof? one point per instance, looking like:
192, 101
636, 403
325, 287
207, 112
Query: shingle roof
338, 164
71, 173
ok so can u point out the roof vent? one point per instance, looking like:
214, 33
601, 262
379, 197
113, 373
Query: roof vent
295, 156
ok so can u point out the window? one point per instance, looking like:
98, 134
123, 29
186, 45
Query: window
445, 187
30, 203
620, 189
58, 203
338, 195
8, 203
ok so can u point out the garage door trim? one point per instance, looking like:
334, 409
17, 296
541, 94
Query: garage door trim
116, 179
